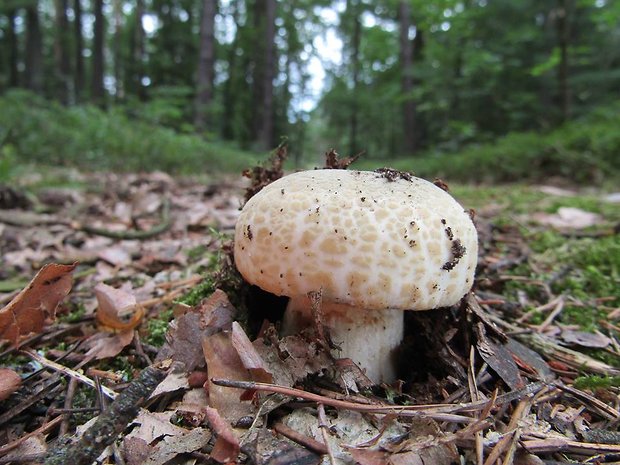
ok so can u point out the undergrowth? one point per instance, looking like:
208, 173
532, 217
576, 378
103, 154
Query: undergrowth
46, 133
586, 150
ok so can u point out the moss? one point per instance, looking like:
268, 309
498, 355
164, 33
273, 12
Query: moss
593, 382
157, 327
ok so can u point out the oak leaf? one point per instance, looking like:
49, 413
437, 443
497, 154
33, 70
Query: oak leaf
36, 304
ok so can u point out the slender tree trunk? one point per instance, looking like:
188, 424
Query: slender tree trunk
355, 71
13, 50
98, 91
267, 128
406, 85
34, 49
78, 76
116, 51
563, 34
206, 65
136, 67
61, 52
228, 129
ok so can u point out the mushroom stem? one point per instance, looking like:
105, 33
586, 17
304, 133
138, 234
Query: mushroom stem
368, 337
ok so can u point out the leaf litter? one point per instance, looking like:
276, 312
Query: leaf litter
493, 388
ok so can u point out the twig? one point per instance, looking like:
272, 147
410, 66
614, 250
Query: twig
52, 388
40, 430
64, 426
324, 427
475, 397
299, 438
442, 412
67, 371
557, 309
109, 424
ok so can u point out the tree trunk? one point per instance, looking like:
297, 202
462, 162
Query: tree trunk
228, 127
563, 34
355, 71
116, 51
78, 76
267, 133
406, 85
264, 72
98, 91
206, 66
61, 52
34, 50
13, 50
135, 68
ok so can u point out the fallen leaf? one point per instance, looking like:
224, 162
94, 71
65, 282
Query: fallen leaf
36, 305
226, 448
581, 338
499, 358
184, 443
105, 344
10, 382
186, 332
114, 304
223, 362
568, 218
250, 358
175, 380
150, 426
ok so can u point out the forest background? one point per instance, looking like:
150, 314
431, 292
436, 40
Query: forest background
482, 90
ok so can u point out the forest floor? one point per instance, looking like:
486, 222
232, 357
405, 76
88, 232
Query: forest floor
526, 370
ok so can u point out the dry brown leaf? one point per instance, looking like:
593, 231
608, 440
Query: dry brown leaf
105, 344
224, 362
10, 382
154, 425
114, 304
184, 338
226, 448
172, 446
250, 358
36, 304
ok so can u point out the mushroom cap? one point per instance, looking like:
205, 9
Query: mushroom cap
376, 240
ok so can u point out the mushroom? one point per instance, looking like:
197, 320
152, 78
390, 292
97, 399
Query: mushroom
373, 243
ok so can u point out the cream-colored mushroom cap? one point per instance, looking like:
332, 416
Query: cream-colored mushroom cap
375, 240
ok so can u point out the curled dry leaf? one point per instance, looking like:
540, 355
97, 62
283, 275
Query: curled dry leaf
36, 304
9, 383
250, 358
114, 305
227, 446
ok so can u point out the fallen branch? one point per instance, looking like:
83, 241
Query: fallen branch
109, 424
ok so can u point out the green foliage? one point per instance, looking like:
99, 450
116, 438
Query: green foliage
86, 136
584, 151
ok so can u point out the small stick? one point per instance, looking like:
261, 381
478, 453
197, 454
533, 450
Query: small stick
299, 438
442, 411
67, 371
64, 426
557, 309
40, 430
324, 427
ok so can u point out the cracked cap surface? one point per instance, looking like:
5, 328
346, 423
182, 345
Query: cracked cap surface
365, 238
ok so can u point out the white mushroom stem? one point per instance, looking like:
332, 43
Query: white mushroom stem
368, 337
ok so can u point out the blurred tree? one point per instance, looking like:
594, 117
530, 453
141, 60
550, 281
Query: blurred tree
206, 66
98, 91
34, 48
78, 40
62, 51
